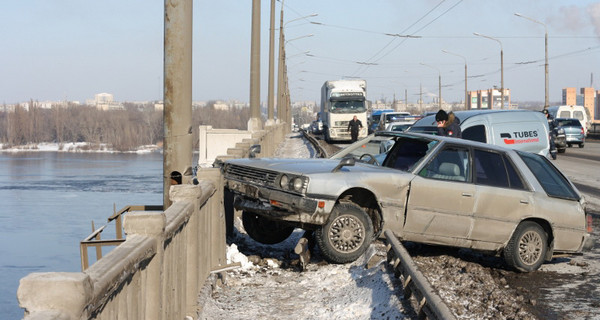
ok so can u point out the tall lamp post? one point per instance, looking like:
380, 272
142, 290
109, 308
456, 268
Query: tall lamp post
282, 115
465, 59
439, 83
501, 66
546, 103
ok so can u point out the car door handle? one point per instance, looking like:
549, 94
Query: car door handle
465, 194
524, 201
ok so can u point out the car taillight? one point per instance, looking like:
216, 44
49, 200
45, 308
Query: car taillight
582, 132
588, 223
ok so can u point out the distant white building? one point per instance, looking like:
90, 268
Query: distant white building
105, 101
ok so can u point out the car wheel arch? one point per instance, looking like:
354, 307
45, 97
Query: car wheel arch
549, 234
367, 200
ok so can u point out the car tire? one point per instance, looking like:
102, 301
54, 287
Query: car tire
569, 145
264, 230
346, 235
527, 247
581, 145
561, 150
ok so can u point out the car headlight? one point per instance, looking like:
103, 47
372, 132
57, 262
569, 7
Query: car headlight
284, 182
298, 184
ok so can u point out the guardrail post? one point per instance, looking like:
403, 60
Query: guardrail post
55, 295
151, 224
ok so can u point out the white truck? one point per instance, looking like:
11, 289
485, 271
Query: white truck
341, 100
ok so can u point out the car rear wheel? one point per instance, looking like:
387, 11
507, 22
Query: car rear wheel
527, 248
347, 234
265, 230
581, 145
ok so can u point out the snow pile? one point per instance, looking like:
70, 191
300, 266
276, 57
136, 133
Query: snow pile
274, 288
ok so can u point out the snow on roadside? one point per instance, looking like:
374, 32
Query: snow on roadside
272, 288
72, 147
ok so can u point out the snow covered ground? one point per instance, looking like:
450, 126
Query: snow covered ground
71, 147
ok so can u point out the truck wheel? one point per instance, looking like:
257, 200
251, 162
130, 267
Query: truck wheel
347, 234
265, 230
527, 247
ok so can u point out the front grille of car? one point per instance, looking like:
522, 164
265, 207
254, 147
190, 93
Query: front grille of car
252, 175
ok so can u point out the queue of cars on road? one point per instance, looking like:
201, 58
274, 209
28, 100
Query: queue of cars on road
424, 188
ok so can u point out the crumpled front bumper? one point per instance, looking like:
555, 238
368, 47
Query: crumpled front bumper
279, 204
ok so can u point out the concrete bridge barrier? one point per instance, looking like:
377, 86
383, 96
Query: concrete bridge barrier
155, 274
167, 256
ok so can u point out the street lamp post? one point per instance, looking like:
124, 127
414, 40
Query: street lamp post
546, 103
439, 83
501, 66
465, 59
282, 112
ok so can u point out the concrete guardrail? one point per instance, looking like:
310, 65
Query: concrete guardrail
164, 262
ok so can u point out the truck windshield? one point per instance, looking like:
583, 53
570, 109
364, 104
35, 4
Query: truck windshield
348, 106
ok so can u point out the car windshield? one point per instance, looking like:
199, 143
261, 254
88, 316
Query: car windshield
372, 145
407, 152
552, 180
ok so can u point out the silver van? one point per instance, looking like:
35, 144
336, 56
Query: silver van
524, 130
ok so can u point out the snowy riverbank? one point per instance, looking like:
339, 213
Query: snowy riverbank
74, 147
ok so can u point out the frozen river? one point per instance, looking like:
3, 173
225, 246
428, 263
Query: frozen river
49, 200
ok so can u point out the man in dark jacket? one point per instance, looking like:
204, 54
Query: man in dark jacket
448, 124
353, 126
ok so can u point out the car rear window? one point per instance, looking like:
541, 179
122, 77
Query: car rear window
569, 123
552, 180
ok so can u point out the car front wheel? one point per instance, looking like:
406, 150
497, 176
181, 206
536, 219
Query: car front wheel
347, 234
527, 247
265, 230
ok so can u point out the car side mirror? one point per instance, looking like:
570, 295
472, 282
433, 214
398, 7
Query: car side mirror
254, 149
344, 162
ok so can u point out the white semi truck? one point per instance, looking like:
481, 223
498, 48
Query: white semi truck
341, 100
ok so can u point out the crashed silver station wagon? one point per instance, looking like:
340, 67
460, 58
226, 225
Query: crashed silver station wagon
428, 189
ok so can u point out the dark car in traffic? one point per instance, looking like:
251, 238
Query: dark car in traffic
574, 132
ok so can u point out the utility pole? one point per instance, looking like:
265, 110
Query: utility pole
271, 89
255, 122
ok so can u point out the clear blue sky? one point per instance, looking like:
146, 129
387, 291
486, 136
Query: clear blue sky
73, 49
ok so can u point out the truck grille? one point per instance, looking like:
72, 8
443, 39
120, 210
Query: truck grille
252, 175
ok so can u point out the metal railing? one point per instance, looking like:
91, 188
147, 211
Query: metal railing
94, 240
428, 304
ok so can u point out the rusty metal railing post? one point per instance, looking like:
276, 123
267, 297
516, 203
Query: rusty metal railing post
177, 148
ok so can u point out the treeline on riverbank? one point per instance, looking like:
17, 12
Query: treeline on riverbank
121, 130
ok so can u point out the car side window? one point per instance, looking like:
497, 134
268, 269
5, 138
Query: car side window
494, 169
451, 163
475, 133
552, 180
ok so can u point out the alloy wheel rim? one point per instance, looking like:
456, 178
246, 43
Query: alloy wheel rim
530, 247
346, 234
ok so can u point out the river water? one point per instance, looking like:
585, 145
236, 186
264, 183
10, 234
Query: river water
49, 200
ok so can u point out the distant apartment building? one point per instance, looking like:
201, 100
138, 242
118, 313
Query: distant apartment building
488, 99
587, 97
